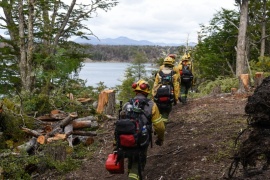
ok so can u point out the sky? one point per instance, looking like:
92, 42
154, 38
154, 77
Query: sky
167, 21
158, 21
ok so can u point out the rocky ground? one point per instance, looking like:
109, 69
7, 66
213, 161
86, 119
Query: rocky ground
199, 144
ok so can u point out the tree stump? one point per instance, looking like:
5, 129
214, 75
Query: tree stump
56, 152
244, 83
258, 79
106, 102
233, 91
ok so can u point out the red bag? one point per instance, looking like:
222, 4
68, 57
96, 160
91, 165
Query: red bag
127, 140
163, 99
113, 166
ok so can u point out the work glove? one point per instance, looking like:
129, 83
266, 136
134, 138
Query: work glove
159, 142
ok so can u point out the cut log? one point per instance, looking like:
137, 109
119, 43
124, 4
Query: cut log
87, 118
28, 145
68, 131
31, 132
54, 131
48, 129
258, 79
84, 124
41, 139
68, 119
46, 117
84, 133
58, 114
56, 137
84, 100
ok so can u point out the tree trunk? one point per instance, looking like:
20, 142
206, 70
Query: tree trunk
263, 29
241, 42
26, 47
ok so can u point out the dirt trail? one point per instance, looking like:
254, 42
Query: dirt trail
198, 143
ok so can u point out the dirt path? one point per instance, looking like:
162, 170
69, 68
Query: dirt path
198, 143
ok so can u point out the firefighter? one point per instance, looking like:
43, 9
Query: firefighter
167, 78
185, 70
142, 89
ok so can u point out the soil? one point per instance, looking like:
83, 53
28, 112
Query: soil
199, 144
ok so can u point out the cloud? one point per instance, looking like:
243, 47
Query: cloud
169, 21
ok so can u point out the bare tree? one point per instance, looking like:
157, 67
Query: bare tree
241, 42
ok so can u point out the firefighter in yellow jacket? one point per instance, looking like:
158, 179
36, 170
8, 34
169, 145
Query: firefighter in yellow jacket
186, 77
142, 89
166, 81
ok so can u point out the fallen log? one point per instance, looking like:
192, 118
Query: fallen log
87, 118
58, 114
68, 119
41, 139
56, 137
28, 145
56, 130
31, 132
84, 133
84, 124
68, 130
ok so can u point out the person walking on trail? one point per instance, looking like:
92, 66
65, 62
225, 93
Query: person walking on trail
166, 86
151, 120
185, 70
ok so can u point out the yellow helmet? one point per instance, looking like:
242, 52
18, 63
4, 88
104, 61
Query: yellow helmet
168, 60
186, 57
142, 86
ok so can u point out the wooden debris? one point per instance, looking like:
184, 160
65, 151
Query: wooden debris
56, 137
31, 132
28, 145
84, 100
57, 114
41, 139
68, 119
84, 124
84, 133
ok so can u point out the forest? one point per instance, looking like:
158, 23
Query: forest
39, 68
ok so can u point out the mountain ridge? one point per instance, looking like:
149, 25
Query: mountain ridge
125, 41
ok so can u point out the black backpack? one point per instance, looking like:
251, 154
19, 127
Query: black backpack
187, 75
165, 93
133, 130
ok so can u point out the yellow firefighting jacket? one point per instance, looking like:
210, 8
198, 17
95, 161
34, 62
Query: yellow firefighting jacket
176, 77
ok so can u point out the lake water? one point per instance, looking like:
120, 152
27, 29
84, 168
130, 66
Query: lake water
109, 73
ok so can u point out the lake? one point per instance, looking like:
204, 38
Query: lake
108, 72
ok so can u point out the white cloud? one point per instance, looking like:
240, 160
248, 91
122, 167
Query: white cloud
169, 21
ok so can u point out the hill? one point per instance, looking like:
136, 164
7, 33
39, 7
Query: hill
199, 143
125, 41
